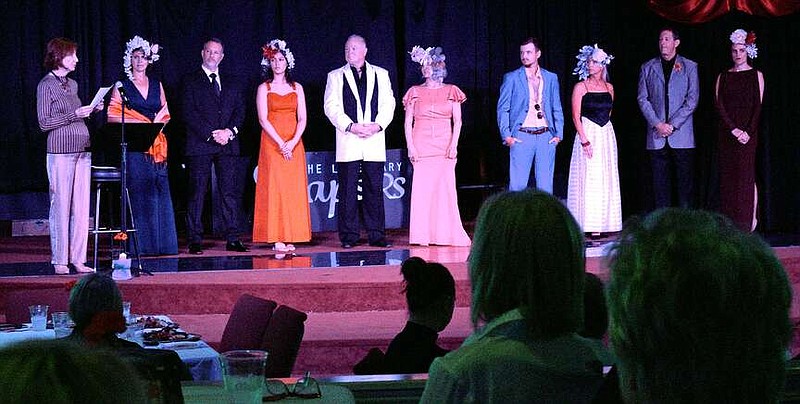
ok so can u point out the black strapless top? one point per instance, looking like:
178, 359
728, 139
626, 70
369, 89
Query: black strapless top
596, 107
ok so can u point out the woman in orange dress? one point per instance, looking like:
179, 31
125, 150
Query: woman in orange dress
282, 214
432, 127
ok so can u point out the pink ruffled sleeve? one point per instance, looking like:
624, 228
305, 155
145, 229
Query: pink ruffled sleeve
456, 95
410, 98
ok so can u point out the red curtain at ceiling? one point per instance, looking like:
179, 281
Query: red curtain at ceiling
697, 11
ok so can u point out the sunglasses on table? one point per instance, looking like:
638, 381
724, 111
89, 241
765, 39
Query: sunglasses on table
305, 387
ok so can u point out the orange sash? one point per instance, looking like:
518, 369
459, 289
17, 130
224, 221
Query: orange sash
159, 148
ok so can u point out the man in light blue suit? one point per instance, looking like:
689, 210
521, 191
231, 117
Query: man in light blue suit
530, 119
668, 96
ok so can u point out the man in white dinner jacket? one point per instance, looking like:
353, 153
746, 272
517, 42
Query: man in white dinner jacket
360, 104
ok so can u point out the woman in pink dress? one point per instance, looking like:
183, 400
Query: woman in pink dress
432, 127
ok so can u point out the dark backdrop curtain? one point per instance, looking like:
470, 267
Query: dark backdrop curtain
480, 38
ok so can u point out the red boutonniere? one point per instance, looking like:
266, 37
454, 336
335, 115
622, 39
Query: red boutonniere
678, 67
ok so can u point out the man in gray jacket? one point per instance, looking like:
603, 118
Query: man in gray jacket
668, 96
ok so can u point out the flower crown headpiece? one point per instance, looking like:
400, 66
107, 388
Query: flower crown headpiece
587, 52
137, 42
427, 56
274, 46
742, 37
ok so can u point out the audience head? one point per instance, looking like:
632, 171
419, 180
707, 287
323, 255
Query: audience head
528, 253
698, 311
57, 50
430, 292
96, 301
57, 371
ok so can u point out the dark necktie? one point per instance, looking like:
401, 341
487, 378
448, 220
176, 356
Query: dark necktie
215, 83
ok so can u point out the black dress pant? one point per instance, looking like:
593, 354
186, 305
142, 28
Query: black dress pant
663, 162
230, 181
370, 173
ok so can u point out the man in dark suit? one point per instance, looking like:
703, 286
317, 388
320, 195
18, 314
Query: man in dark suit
668, 96
213, 107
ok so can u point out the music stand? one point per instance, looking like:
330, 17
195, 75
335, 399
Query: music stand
135, 137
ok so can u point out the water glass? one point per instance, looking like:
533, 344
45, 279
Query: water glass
62, 324
38, 316
126, 310
135, 330
243, 372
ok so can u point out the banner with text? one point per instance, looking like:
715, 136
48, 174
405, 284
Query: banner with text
323, 186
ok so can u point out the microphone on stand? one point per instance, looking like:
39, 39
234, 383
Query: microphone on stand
118, 85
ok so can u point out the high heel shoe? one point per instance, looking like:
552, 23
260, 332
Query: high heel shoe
281, 247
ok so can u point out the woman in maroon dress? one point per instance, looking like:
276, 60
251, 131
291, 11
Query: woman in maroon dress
739, 92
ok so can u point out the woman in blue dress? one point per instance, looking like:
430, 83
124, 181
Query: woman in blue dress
148, 181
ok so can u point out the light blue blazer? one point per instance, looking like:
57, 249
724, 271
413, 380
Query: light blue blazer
512, 106
684, 94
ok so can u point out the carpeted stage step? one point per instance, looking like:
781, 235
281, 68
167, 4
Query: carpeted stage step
341, 289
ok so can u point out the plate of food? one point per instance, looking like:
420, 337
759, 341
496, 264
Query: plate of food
168, 334
156, 322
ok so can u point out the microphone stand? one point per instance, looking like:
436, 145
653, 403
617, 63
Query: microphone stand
124, 195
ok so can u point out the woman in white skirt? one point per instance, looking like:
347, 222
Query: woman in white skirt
593, 194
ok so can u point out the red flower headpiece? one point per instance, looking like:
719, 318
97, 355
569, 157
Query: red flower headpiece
748, 39
273, 47
268, 51
751, 38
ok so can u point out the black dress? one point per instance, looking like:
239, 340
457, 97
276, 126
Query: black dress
739, 106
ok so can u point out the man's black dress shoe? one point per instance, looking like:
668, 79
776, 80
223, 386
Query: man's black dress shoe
195, 248
381, 243
236, 246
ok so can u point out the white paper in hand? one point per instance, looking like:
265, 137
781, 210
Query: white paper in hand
101, 93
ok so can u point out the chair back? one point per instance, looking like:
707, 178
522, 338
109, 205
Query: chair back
246, 325
17, 302
162, 371
282, 340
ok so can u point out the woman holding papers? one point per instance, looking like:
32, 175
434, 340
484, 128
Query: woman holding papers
68, 160
148, 182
